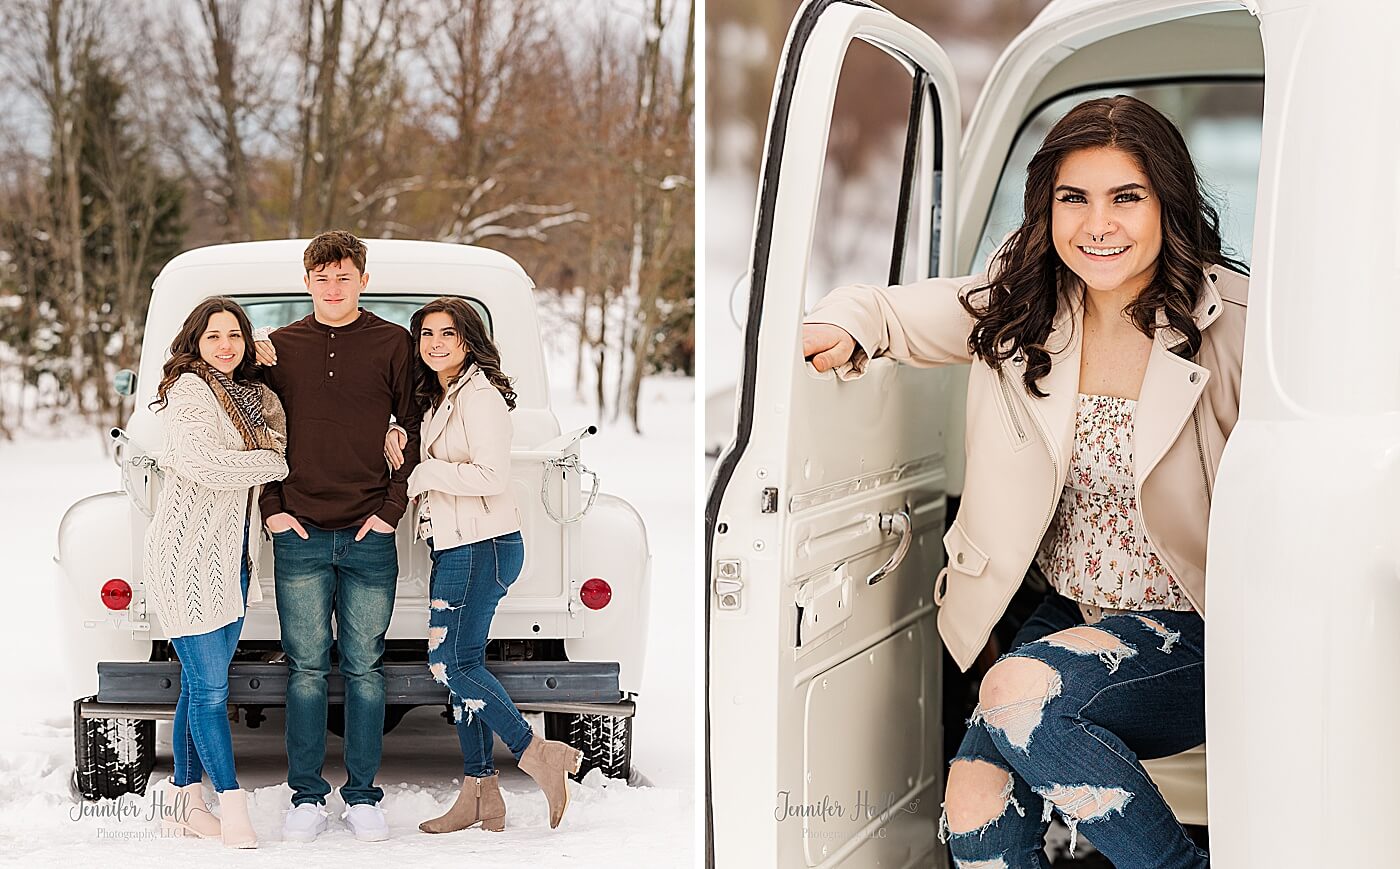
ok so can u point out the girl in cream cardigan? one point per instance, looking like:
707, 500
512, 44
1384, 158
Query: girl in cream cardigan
225, 435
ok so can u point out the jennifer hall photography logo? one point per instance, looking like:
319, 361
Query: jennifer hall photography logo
127, 812
830, 811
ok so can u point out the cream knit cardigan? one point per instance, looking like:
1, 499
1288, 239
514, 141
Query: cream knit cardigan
195, 538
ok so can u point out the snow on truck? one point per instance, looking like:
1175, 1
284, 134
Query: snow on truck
569, 639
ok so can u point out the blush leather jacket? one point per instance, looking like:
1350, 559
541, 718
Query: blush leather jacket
464, 475
1019, 446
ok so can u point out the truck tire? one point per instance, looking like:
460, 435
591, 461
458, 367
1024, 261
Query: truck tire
605, 740
111, 756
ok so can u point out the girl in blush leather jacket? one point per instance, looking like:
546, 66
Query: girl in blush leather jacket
1108, 333
466, 515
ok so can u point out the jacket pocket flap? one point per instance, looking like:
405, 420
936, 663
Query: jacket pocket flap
964, 556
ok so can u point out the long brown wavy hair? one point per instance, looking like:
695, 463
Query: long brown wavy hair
1028, 282
184, 350
471, 331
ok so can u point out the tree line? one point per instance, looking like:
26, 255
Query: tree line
562, 136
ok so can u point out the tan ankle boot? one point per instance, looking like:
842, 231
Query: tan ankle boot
479, 801
237, 825
184, 812
549, 763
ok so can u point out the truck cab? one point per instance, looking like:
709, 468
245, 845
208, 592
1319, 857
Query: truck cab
827, 689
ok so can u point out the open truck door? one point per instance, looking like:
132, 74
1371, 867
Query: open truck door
825, 517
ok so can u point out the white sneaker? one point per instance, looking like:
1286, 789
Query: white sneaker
304, 822
367, 822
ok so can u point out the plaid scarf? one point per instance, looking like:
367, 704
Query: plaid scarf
243, 404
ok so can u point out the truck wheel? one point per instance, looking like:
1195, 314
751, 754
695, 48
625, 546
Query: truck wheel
335, 717
605, 740
111, 756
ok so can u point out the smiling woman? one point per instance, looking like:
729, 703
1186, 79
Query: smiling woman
1106, 220
222, 344
1113, 172
225, 436
1113, 307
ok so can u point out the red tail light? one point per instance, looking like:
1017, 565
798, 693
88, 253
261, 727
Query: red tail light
595, 593
116, 594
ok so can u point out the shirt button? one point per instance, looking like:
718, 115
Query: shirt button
332, 374
332, 334
332, 355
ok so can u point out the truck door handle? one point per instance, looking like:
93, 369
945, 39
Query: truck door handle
894, 523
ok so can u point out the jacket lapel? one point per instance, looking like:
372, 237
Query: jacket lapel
434, 423
1171, 387
436, 420
1061, 385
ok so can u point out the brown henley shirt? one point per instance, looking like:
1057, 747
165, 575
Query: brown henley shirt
339, 386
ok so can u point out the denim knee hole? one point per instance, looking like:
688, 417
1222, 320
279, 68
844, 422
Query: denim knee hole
1082, 804
1085, 640
1018, 717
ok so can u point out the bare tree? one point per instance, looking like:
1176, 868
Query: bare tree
660, 135
350, 80
476, 121
80, 236
494, 66
212, 51
54, 41
603, 114
132, 212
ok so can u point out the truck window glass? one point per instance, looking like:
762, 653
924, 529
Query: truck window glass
858, 205
278, 311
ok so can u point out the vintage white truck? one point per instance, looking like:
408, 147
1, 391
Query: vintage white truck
568, 641
826, 513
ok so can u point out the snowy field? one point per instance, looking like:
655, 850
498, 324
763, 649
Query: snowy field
651, 820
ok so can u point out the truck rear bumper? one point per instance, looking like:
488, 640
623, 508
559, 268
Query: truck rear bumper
150, 689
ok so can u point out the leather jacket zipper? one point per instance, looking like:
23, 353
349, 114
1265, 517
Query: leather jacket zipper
1011, 406
1201, 450
1054, 477
1044, 439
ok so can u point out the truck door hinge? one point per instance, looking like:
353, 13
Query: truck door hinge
729, 584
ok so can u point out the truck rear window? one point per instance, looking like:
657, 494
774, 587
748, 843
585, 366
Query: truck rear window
277, 311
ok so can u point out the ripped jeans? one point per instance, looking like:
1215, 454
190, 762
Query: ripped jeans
1129, 687
466, 585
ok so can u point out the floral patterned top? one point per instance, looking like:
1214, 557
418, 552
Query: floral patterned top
1095, 550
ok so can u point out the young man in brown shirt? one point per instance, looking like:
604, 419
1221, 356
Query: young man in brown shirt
341, 372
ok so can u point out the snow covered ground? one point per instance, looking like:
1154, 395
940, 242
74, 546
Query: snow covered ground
652, 820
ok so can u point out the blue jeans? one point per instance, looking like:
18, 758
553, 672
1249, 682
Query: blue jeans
467, 583
1128, 688
201, 739
330, 573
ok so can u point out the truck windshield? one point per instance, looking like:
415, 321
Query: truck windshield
279, 310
